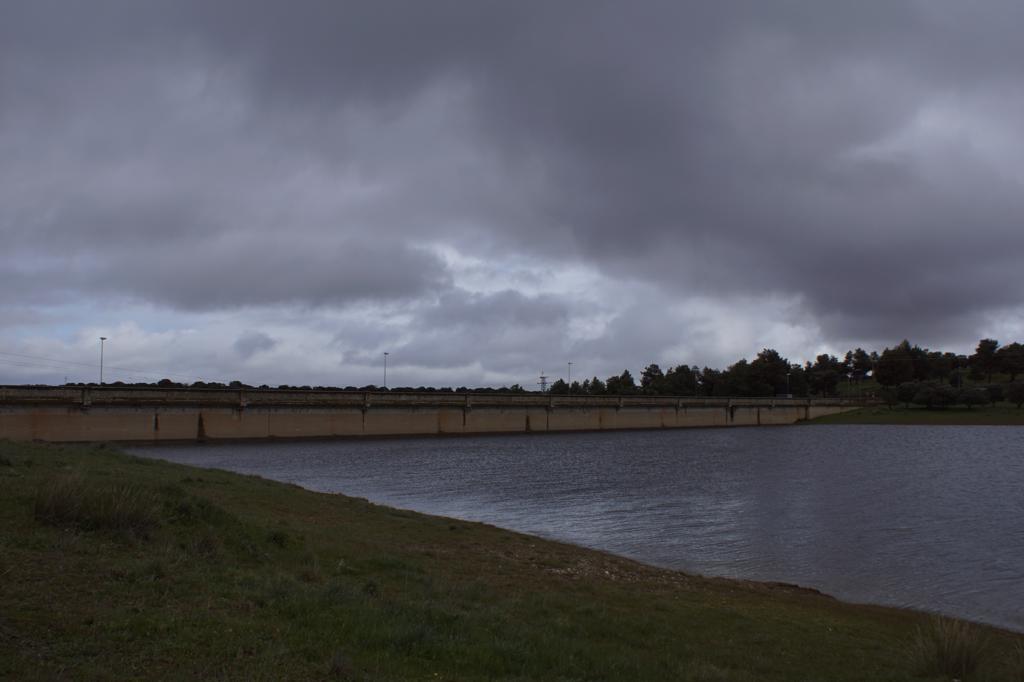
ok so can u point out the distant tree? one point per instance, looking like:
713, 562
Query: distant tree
681, 380
798, 381
622, 384
559, 387
940, 365
708, 380
960, 364
651, 378
515, 388
576, 388
995, 392
860, 364
824, 375
896, 365
1015, 394
984, 361
768, 373
921, 361
596, 387
1010, 360
739, 380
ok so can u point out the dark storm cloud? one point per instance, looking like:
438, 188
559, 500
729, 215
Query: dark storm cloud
860, 157
506, 310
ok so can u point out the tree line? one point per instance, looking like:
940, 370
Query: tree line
904, 373
931, 378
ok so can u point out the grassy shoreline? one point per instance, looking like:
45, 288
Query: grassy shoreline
114, 566
1001, 414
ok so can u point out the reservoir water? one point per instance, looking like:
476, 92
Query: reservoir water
924, 517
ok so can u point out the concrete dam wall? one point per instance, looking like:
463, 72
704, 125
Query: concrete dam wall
77, 414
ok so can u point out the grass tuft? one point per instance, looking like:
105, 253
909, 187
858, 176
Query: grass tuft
948, 647
1015, 664
341, 667
70, 502
204, 544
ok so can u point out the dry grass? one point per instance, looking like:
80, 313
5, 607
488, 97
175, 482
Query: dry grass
950, 648
70, 502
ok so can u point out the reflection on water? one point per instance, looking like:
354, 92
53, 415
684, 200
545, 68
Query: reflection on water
924, 517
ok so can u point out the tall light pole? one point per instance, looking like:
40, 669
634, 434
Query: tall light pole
569, 382
385, 369
102, 339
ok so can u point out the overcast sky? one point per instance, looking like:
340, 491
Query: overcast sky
280, 192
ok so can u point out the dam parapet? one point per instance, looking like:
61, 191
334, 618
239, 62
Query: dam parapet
157, 414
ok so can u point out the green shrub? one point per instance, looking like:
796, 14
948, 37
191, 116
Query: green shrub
905, 392
974, 396
935, 395
948, 647
1015, 394
70, 502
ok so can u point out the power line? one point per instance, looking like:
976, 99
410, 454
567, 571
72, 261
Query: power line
39, 360
29, 364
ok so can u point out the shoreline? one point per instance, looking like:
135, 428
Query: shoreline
153, 451
281, 581
998, 415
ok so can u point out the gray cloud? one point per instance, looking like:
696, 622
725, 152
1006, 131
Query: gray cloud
861, 159
252, 342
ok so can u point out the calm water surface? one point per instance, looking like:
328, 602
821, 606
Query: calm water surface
924, 517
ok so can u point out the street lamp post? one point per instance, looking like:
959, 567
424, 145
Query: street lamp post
102, 339
385, 369
789, 391
569, 382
